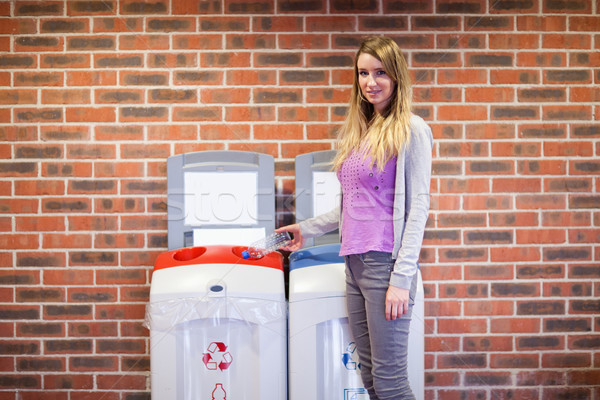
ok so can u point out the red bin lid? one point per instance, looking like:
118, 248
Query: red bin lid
217, 254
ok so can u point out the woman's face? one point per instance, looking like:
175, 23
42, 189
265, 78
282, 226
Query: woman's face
376, 86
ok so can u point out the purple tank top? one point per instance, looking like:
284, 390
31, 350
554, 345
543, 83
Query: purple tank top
367, 205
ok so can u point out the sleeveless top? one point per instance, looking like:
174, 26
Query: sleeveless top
367, 205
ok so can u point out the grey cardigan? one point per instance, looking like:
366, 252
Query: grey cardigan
411, 205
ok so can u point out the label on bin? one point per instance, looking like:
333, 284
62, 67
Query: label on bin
217, 357
219, 392
356, 394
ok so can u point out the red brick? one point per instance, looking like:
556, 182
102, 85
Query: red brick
566, 360
327, 95
111, 24
489, 94
488, 343
591, 24
67, 277
143, 42
18, 96
224, 59
93, 363
566, 41
91, 78
251, 77
173, 132
65, 96
255, 113
66, 241
91, 8
514, 41
487, 272
89, 114
464, 325
92, 329
18, 241
278, 132
535, 59
172, 60
522, 185
64, 169
119, 96
225, 95
543, 167
38, 43
69, 381
509, 254
541, 236
462, 113
17, 26
472, 185
198, 42
513, 77
295, 114
541, 23
204, 113
223, 24
515, 325
565, 218
516, 149
292, 41
278, 24
584, 94
120, 311
568, 185
568, 113
39, 187
92, 222
134, 293
433, 94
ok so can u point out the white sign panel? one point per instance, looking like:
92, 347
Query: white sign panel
221, 198
326, 192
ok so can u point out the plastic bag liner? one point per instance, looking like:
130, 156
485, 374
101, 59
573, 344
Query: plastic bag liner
165, 315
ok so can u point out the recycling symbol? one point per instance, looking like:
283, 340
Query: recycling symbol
347, 358
217, 357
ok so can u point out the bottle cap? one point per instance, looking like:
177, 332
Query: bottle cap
245, 254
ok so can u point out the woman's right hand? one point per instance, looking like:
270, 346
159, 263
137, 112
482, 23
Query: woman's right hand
297, 241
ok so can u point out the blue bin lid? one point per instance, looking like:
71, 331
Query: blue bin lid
317, 255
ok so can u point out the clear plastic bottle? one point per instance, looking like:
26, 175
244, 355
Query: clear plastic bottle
271, 243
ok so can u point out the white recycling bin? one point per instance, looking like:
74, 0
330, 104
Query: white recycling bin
323, 363
217, 325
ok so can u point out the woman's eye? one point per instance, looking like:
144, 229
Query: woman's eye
382, 72
363, 73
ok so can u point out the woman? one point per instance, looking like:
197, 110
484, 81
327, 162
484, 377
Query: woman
384, 167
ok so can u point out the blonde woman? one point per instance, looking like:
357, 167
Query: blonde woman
384, 167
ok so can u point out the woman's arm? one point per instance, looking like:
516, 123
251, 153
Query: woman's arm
311, 227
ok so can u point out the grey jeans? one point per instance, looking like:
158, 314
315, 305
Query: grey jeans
382, 345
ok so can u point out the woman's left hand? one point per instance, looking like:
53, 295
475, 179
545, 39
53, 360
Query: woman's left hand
396, 302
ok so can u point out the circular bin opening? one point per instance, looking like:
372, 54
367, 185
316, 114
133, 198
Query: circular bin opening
189, 253
238, 250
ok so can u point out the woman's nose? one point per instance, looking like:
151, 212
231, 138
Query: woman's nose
371, 80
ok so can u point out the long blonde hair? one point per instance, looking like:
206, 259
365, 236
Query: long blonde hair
380, 136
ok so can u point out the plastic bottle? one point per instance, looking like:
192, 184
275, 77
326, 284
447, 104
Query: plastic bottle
267, 245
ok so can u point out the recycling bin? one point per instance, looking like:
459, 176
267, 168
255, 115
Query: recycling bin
217, 325
323, 363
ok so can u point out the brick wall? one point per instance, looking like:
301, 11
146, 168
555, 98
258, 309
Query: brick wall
95, 95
